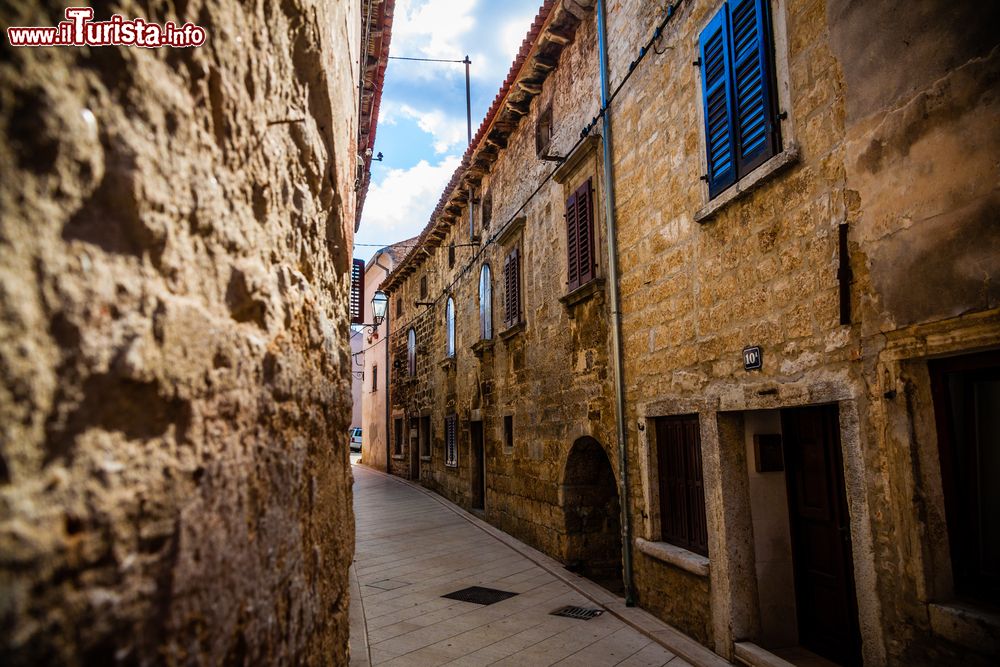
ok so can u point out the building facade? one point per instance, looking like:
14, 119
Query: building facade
371, 356
803, 211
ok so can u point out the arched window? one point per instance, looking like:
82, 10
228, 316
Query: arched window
411, 351
485, 303
449, 319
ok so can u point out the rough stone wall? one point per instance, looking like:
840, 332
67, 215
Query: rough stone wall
175, 485
552, 377
894, 130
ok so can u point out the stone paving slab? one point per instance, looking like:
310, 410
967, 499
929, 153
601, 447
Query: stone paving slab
413, 547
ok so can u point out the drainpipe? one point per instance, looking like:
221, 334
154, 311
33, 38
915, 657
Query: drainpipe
616, 329
388, 309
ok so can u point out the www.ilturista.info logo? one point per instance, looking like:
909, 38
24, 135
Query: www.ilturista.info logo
79, 30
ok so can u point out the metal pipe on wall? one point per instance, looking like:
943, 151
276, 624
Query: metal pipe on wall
615, 300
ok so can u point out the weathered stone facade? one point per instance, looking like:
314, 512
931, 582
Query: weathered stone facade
373, 358
175, 239
888, 125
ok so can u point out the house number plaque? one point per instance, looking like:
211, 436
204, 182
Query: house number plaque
752, 360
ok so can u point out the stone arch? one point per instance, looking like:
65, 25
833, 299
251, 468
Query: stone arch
589, 494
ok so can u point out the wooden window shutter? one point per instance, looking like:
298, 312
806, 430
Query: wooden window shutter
585, 235
512, 289
357, 302
682, 493
716, 88
756, 136
572, 229
580, 236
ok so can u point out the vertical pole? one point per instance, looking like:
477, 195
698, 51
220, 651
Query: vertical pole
615, 302
468, 129
468, 99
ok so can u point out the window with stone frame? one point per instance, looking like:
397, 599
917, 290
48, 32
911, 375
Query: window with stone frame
580, 267
508, 433
451, 256
375, 378
740, 108
449, 323
485, 303
681, 487
411, 352
451, 441
512, 305
399, 306
423, 287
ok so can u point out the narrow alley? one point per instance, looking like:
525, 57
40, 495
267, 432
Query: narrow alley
414, 547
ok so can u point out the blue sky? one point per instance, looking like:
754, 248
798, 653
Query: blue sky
422, 129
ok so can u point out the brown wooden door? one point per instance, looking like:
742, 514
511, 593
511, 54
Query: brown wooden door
821, 536
478, 464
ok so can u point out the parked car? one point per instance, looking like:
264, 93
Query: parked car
355, 435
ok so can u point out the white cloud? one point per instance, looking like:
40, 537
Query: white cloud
447, 131
510, 36
398, 206
432, 29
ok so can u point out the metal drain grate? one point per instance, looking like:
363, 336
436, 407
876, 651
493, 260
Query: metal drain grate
479, 595
581, 613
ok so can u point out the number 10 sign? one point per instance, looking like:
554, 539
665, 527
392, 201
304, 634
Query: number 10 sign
752, 360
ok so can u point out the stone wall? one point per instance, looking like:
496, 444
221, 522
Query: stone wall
174, 479
888, 126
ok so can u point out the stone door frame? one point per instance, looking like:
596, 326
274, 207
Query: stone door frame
734, 607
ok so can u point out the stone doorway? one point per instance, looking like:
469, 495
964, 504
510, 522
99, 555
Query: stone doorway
593, 543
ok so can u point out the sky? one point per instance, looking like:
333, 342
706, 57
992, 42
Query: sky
422, 124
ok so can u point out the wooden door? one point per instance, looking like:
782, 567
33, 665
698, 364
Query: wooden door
821, 538
478, 463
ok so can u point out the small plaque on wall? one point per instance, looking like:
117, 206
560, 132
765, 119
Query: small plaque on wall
767, 452
753, 360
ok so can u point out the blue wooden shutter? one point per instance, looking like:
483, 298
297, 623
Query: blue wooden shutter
716, 86
752, 81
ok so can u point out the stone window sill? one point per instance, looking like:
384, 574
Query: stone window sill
668, 553
483, 346
448, 363
510, 332
398, 457
582, 293
451, 466
764, 172
425, 458
966, 624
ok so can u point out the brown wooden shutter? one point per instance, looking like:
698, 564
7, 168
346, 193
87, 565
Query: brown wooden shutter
357, 310
585, 232
572, 248
682, 494
508, 291
512, 289
580, 235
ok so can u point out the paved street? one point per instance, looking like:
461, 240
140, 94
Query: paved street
413, 547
